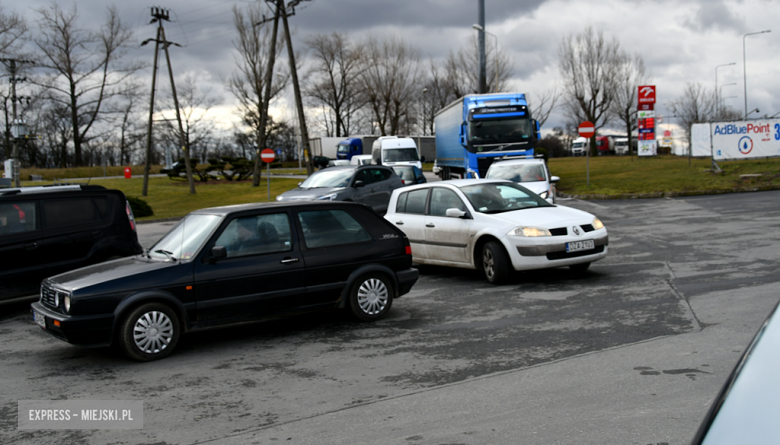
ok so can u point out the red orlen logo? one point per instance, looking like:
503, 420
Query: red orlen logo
646, 94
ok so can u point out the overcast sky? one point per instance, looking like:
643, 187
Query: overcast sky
680, 41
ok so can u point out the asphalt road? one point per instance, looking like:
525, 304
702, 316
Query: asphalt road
632, 352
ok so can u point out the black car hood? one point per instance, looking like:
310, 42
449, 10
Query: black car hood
122, 269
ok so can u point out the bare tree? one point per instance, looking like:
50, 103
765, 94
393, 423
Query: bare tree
127, 121
85, 67
12, 28
696, 105
251, 84
337, 65
194, 107
543, 103
389, 80
588, 63
462, 69
629, 75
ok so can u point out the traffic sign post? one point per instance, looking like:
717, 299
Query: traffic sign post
587, 130
268, 156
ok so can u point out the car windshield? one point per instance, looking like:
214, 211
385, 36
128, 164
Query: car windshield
501, 197
186, 238
496, 131
517, 172
400, 155
404, 172
329, 178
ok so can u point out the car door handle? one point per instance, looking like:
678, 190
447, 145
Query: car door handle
31, 246
399, 223
430, 225
289, 260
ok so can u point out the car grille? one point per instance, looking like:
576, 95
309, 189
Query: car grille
587, 227
561, 231
49, 296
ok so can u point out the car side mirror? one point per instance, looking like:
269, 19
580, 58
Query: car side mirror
554, 179
359, 183
455, 213
218, 252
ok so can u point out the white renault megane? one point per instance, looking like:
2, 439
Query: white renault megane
494, 225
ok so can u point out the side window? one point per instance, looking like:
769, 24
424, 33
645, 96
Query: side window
380, 174
257, 234
363, 175
18, 217
69, 212
323, 228
413, 202
443, 199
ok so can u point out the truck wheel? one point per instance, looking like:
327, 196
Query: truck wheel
495, 262
150, 332
371, 297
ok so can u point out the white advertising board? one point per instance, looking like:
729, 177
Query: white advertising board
647, 148
758, 138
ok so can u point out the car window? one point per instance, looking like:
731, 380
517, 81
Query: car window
329, 178
256, 234
443, 199
379, 174
69, 212
501, 197
185, 239
412, 202
322, 228
18, 217
363, 175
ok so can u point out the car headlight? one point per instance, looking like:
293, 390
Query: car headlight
66, 303
597, 224
329, 197
279, 198
543, 195
529, 232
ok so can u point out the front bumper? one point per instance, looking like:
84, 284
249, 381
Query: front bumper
551, 252
90, 330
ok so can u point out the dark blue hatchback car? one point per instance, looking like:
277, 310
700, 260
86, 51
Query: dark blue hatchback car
232, 264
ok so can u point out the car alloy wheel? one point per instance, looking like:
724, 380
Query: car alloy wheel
371, 297
150, 332
495, 262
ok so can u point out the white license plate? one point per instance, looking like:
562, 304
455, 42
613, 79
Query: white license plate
576, 246
40, 319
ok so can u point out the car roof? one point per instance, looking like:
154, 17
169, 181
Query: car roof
52, 189
453, 183
520, 161
225, 210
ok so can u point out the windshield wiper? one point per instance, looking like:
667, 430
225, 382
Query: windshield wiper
166, 253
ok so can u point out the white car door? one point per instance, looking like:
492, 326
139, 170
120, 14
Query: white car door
447, 238
409, 216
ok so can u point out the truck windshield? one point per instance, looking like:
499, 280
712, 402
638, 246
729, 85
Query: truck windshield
498, 131
343, 149
400, 155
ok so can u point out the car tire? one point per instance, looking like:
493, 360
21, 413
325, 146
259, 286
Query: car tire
495, 262
150, 332
371, 297
579, 268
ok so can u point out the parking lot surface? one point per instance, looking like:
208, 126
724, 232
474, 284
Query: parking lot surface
633, 351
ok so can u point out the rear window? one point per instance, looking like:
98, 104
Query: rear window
69, 212
323, 228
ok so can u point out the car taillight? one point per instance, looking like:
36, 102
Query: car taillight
130, 216
408, 250
407, 247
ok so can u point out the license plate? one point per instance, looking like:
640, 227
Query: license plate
40, 319
576, 246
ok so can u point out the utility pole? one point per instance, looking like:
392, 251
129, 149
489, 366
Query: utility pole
482, 60
11, 64
296, 87
279, 4
159, 15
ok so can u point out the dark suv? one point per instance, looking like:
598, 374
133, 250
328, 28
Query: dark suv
48, 230
232, 264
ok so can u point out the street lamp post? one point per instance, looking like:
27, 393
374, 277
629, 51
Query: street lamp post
720, 98
744, 69
495, 54
717, 107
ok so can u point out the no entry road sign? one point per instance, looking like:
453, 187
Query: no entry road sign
586, 129
267, 155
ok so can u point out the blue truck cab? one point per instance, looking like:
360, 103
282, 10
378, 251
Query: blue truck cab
349, 147
477, 129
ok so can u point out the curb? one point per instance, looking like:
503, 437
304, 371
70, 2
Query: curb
671, 194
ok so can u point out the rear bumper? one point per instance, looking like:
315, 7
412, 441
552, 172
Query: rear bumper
92, 330
406, 279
